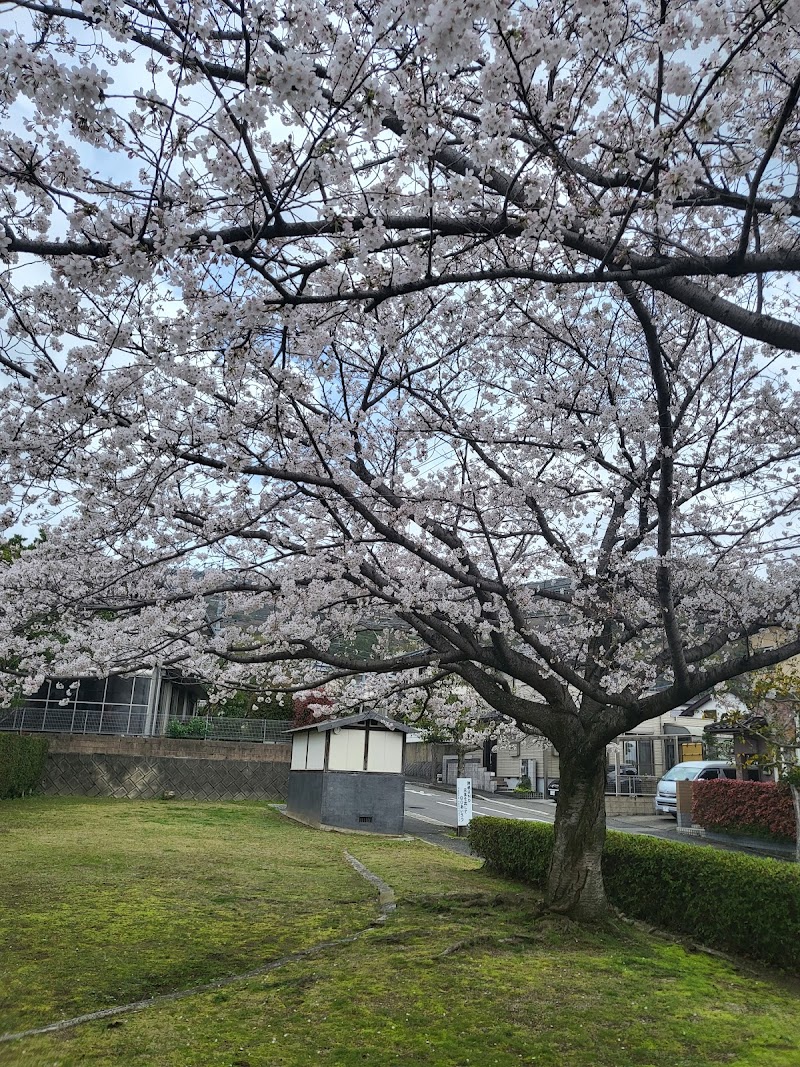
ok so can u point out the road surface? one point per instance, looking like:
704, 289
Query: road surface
431, 814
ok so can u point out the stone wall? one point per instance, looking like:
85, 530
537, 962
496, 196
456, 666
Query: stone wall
147, 768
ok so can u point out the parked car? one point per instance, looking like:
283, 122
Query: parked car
552, 788
691, 771
629, 781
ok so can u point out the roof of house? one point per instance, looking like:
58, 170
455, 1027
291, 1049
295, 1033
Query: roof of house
750, 724
688, 709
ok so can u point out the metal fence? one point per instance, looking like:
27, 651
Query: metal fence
218, 728
642, 785
39, 716
130, 719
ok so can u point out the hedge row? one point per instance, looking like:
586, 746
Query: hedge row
21, 764
727, 900
760, 808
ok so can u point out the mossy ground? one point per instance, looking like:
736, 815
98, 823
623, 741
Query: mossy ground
103, 902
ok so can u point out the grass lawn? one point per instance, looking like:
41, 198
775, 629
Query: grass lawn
104, 902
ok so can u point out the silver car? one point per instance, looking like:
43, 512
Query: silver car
691, 771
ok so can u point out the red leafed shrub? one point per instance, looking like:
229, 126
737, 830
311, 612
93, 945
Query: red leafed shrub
760, 808
305, 705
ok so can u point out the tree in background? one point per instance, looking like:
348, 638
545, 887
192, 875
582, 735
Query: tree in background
455, 719
772, 700
477, 326
310, 707
250, 704
10, 550
13, 673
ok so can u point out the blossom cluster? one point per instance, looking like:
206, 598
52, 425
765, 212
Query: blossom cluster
470, 328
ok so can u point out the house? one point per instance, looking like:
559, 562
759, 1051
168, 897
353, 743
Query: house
652, 747
136, 704
742, 743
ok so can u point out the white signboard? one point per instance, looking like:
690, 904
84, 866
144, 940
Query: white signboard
464, 801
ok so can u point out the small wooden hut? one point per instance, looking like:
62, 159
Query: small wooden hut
348, 773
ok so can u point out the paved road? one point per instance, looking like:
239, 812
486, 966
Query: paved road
436, 807
431, 814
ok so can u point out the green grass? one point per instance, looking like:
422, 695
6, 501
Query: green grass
102, 902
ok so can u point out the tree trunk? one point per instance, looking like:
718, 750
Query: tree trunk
575, 880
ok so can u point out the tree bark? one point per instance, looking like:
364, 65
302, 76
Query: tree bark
575, 879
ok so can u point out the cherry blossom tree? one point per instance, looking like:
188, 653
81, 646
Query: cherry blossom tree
474, 321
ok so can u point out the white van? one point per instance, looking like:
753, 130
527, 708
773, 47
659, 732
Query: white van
691, 771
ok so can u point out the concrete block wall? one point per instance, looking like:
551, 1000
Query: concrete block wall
625, 804
354, 800
147, 768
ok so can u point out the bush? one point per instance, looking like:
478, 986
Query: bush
191, 728
760, 808
726, 900
512, 847
21, 764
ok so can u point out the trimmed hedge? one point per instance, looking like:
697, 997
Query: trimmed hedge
727, 900
512, 847
760, 808
21, 764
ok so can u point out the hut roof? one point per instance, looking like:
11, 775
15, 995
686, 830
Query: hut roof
354, 720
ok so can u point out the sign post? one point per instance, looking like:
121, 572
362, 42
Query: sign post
463, 804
